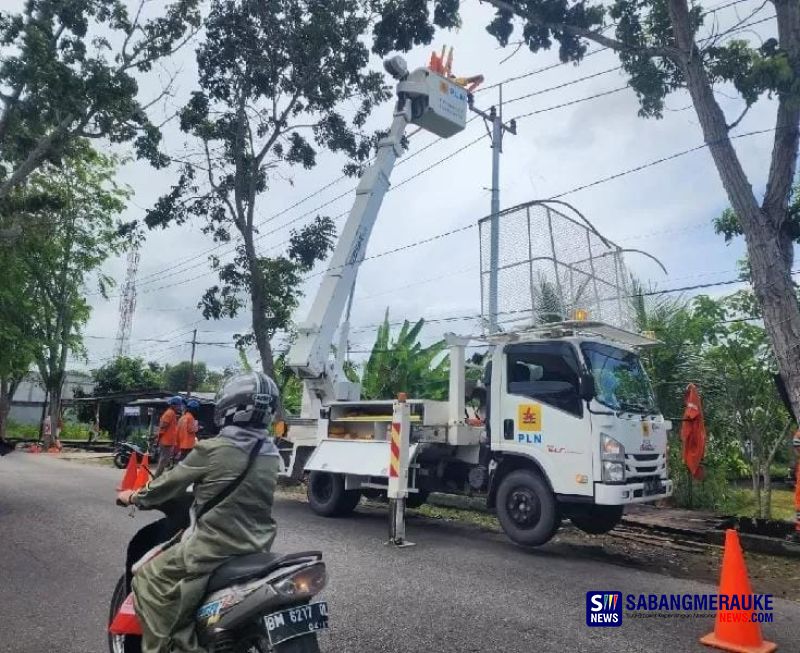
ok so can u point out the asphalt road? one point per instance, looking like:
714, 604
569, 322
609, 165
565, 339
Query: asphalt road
62, 542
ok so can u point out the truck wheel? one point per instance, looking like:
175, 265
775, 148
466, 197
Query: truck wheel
597, 520
327, 496
526, 508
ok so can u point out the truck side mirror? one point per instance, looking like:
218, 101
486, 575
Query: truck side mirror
587, 388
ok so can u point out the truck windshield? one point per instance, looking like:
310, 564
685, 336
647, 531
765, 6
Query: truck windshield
619, 378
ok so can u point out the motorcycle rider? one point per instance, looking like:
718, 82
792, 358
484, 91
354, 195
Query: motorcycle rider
240, 464
168, 434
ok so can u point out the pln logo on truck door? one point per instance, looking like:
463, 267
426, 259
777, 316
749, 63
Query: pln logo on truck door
529, 422
529, 417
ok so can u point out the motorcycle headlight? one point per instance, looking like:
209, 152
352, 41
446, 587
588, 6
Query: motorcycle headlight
611, 449
304, 583
613, 472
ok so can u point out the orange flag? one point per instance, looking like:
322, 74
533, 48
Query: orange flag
693, 431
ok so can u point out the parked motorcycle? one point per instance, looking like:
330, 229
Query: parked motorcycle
258, 603
126, 449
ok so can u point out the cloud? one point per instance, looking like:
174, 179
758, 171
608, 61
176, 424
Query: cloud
665, 209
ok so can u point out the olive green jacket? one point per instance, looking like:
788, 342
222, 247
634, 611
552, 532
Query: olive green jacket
242, 523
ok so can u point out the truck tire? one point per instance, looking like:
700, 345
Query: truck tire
596, 520
527, 509
327, 496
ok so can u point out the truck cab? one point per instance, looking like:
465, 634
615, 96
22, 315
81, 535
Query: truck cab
575, 410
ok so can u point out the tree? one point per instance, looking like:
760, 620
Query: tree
658, 46
125, 374
212, 382
17, 344
272, 79
81, 234
405, 365
176, 377
742, 387
67, 72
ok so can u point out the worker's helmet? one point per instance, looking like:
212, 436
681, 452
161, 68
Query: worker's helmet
175, 401
193, 405
247, 399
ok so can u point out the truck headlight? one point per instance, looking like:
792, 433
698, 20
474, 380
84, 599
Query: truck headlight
613, 472
304, 583
611, 449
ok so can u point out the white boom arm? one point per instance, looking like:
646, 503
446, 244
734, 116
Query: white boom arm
432, 102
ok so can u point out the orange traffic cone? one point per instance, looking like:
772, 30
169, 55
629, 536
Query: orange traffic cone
129, 477
143, 473
734, 630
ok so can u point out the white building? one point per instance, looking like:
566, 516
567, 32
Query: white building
28, 401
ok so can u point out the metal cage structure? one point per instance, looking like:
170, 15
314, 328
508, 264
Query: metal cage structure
552, 265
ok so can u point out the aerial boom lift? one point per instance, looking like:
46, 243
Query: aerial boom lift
434, 100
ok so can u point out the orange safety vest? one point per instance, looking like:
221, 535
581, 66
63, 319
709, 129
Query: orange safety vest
168, 428
187, 431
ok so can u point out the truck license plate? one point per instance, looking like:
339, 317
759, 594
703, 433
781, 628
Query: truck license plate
653, 486
297, 621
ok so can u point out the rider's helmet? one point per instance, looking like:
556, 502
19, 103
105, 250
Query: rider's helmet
247, 399
193, 406
175, 401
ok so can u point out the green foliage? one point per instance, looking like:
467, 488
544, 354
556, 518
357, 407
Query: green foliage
63, 81
728, 225
212, 382
176, 377
273, 79
642, 36
126, 374
290, 386
715, 344
405, 365
548, 301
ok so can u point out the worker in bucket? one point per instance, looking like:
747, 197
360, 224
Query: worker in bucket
168, 434
187, 428
233, 478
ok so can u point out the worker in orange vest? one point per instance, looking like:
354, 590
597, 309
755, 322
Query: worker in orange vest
796, 446
187, 428
168, 434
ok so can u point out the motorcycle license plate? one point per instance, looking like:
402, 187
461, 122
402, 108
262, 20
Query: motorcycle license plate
653, 486
297, 621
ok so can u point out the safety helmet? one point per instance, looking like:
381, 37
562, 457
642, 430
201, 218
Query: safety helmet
175, 401
247, 399
193, 405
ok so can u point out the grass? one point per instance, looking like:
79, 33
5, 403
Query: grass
782, 504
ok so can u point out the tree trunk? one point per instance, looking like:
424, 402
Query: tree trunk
766, 509
257, 301
769, 245
7, 388
756, 476
54, 412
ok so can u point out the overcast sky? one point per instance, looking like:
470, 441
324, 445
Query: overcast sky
666, 209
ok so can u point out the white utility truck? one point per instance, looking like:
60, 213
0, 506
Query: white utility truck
565, 423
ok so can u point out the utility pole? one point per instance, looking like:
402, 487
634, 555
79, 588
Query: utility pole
498, 130
191, 365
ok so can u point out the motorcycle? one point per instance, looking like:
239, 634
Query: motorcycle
257, 603
125, 450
